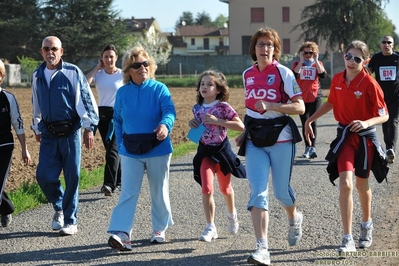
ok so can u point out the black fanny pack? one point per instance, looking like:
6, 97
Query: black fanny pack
61, 128
105, 112
266, 136
140, 143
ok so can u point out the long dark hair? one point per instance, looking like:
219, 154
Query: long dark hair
221, 85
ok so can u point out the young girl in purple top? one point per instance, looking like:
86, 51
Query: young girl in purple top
214, 155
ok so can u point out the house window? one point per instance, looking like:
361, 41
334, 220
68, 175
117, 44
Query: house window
192, 41
206, 43
286, 46
257, 14
245, 42
286, 14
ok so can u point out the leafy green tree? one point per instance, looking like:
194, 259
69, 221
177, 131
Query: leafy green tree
341, 21
188, 19
204, 19
84, 27
220, 21
19, 26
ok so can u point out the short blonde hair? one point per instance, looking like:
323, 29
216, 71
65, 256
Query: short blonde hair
310, 45
130, 57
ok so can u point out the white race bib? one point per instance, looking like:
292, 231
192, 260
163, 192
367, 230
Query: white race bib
387, 73
308, 73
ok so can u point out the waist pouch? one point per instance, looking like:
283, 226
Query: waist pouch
266, 135
106, 112
140, 143
61, 128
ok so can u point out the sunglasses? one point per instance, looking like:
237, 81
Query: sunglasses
137, 65
54, 49
307, 52
386, 42
357, 59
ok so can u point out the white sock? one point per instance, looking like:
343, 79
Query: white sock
367, 224
349, 237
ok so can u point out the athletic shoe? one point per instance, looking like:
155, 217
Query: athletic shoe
158, 237
312, 153
121, 241
306, 154
6, 220
295, 231
232, 224
107, 190
58, 220
260, 257
347, 245
69, 229
390, 155
366, 237
208, 234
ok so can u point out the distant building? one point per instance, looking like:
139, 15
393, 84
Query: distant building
138, 27
199, 40
246, 17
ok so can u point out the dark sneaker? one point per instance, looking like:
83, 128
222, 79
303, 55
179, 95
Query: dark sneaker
6, 220
366, 237
312, 153
260, 257
306, 154
106, 190
390, 155
295, 231
120, 241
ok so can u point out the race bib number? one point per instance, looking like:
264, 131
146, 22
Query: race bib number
388, 73
308, 73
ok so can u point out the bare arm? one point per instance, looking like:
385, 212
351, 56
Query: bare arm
325, 108
234, 124
91, 74
25, 153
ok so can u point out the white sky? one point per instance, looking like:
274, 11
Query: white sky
167, 12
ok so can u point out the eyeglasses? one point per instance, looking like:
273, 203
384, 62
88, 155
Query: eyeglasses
137, 65
386, 42
54, 49
357, 59
261, 45
307, 52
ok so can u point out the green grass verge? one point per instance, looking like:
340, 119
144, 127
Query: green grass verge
30, 196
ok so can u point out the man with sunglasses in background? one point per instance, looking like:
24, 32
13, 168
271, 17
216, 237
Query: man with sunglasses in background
62, 103
384, 65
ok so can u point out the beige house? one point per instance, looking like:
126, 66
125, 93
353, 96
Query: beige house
247, 16
200, 40
138, 27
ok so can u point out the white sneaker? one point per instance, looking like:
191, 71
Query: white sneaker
366, 237
295, 231
260, 257
347, 245
120, 241
158, 237
232, 224
306, 154
69, 229
209, 234
58, 220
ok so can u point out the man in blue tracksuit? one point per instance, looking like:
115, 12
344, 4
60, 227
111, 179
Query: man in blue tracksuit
62, 103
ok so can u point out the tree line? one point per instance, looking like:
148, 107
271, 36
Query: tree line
85, 26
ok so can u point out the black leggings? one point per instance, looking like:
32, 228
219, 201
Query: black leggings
6, 205
310, 109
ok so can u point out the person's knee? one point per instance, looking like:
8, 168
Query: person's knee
226, 191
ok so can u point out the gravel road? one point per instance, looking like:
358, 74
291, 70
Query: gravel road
29, 240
